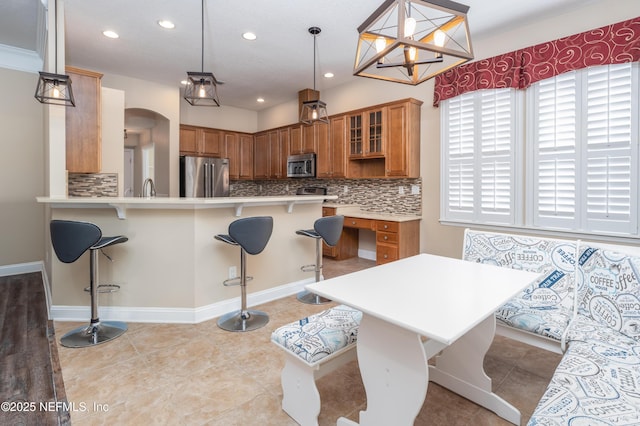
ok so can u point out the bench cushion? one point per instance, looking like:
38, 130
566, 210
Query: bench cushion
546, 306
597, 381
609, 290
318, 336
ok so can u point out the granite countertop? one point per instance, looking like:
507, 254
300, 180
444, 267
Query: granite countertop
355, 210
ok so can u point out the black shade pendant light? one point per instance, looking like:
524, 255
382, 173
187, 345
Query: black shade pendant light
54, 88
314, 110
202, 87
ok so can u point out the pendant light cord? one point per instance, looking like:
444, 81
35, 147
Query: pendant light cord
202, 37
55, 33
314, 62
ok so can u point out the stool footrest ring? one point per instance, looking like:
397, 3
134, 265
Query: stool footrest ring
308, 268
105, 288
234, 281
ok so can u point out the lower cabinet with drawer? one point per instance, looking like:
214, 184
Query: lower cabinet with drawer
396, 240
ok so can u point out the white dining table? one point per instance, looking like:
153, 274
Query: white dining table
417, 308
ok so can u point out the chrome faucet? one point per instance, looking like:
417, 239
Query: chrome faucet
152, 191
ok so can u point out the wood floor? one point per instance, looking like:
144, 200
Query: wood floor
31, 386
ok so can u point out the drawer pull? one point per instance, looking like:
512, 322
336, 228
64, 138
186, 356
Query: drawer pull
386, 226
386, 237
353, 222
385, 256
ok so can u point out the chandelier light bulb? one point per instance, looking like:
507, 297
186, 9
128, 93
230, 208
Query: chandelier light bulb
439, 38
202, 93
381, 43
314, 114
56, 92
413, 54
409, 27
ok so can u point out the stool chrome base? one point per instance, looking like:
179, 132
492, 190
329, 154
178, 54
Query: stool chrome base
311, 298
93, 334
243, 320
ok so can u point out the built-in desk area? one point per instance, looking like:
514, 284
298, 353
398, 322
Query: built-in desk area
396, 236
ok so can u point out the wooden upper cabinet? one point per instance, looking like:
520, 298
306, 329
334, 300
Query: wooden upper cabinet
84, 123
188, 140
261, 151
331, 155
403, 139
367, 133
238, 148
246, 156
203, 141
295, 139
310, 135
212, 142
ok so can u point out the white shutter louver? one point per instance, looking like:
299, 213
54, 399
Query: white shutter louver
478, 157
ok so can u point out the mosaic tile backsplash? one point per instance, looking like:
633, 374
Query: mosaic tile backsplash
92, 185
375, 195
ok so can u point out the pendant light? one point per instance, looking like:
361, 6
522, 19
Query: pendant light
54, 88
314, 110
411, 41
202, 87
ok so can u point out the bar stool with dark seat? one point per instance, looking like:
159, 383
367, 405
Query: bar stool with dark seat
329, 229
252, 235
70, 239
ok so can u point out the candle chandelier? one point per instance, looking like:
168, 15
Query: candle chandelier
411, 41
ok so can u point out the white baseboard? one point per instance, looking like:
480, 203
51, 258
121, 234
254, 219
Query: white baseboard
367, 254
176, 315
21, 268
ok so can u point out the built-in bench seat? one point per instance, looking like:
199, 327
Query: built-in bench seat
540, 314
314, 346
598, 379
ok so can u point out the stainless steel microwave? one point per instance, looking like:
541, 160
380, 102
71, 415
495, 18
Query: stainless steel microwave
303, 165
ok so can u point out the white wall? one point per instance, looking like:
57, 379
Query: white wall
22, 168
223, 117
113, 134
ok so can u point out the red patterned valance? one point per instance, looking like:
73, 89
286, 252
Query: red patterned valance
612, 44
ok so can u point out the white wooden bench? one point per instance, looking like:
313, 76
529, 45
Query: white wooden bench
314, 346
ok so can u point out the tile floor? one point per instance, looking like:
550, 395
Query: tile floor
201, 375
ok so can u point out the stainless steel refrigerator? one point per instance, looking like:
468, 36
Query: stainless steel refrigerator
204, 176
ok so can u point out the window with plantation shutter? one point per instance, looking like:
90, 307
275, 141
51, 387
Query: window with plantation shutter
478, 157
583, 157
553, 155
576, 169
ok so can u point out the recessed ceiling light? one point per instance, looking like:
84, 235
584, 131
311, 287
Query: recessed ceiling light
110, 34
249, 36
261, 100
328, 75
183, 82
166, 24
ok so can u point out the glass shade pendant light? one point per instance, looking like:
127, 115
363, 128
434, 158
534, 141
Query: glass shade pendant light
411, 41
315, 110
202, 87
54, 88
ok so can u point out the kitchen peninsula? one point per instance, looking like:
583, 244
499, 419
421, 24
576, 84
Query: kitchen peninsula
172, 269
